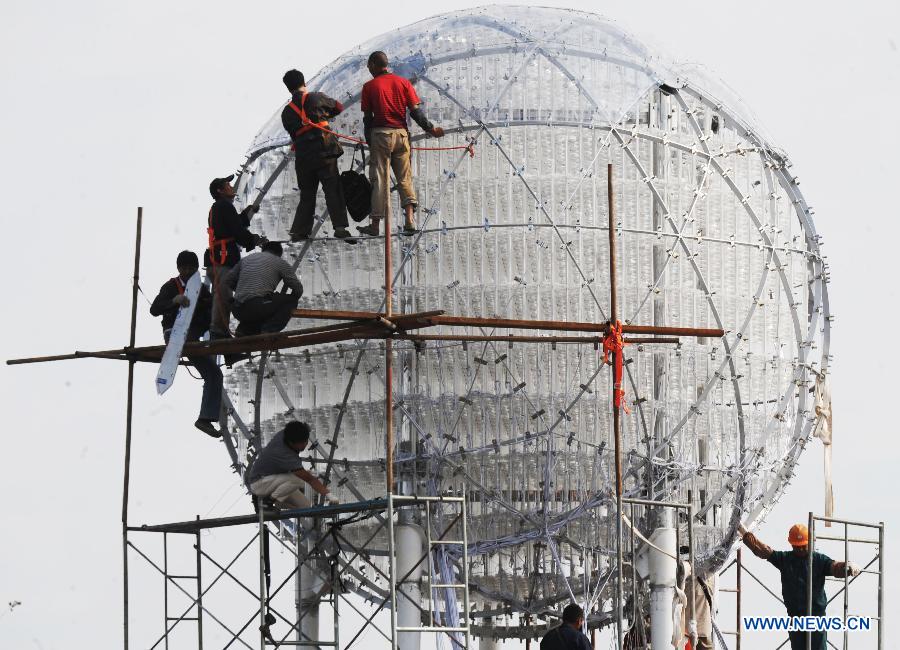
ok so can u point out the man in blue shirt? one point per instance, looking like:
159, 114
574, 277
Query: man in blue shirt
794, 568
568, 636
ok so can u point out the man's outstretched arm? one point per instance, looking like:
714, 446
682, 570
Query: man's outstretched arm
313, 480
844, 569
760, 550
418, 116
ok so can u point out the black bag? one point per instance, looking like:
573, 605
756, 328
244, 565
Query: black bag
357, 191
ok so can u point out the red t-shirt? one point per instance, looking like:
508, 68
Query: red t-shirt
387, 97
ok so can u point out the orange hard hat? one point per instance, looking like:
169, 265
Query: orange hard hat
798, 535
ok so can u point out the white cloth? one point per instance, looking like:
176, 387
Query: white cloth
285, 489
702, 613
823, 432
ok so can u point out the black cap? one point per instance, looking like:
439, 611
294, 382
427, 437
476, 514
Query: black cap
293, 79
187, 258
217, 184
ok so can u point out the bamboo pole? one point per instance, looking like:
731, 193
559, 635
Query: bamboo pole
388, 360
617, 432
129, 410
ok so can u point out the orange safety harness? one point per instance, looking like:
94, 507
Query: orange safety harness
614, 343
221, 244
323, 126
306, 125
179, 285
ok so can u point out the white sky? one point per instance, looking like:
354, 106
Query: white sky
111, 105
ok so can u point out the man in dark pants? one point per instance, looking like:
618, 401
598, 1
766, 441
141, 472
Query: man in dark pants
166, 304
226, 229
794, 568
316, 156
256, 305
568, 636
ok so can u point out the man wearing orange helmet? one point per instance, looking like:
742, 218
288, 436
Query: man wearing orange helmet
794, 568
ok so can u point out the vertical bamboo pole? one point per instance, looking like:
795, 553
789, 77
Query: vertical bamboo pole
617, 432
129, 408
388, 360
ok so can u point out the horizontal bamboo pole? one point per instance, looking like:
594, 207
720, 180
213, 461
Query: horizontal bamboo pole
372, 325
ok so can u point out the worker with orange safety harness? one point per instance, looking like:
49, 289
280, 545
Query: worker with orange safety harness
227, 229
794, 568
316, 154
384, 102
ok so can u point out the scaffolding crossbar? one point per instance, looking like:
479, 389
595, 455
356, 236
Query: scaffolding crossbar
317, 512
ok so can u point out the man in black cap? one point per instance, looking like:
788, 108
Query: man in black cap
227, 230
317, 152
166, 304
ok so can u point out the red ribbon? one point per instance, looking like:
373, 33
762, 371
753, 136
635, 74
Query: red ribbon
614, 343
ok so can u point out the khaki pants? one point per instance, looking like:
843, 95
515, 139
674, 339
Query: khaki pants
221, 301
284, 489
389, 149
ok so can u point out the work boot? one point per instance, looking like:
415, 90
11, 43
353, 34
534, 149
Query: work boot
268, 505
231, 359
343, 233
206, 426
409, 229
372, 229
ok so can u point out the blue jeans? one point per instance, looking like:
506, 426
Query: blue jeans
211, 402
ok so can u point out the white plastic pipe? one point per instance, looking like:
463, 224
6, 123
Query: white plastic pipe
310, 583
309, 586
662, 588
487, 644
410, 548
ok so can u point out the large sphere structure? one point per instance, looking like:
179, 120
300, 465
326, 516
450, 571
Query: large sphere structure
711, 230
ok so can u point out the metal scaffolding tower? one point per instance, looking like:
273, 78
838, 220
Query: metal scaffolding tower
447, 582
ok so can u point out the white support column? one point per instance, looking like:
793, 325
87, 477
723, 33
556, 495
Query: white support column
662, 582
485, 643
309, 586
410, 548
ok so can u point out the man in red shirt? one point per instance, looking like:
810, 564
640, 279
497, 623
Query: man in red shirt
384, 102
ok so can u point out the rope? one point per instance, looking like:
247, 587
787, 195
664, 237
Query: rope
468, 147
644, 539
614, 343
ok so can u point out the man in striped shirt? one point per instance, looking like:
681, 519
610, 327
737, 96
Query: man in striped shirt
384, 102
256, 305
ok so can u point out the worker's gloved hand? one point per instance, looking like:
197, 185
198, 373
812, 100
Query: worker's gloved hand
437, 132
332, 500
250, 210
742, 530
853, 570
181, 300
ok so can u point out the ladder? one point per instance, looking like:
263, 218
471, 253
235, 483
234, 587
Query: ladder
435, 588
876, 542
